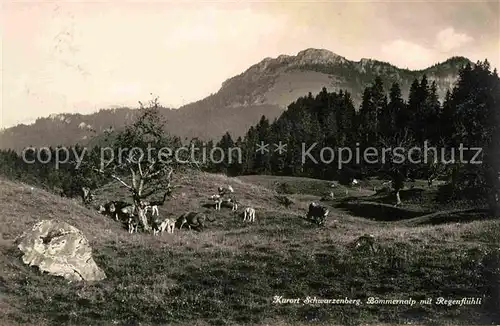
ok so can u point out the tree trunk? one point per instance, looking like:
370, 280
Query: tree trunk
398, 197
141, 212
496, 196
454, 178
495, 204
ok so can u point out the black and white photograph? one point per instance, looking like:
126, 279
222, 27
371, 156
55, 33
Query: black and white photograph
234, 163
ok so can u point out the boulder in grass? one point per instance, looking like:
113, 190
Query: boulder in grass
60, 249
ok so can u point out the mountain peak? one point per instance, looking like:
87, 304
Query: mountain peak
318, 56
310, 56
316, 52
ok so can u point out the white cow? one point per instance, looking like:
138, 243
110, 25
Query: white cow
225, 190
249, 214
218, 201
154, 209
168, 224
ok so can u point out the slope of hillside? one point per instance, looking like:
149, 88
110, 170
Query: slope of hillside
230, 273
265, 88
65, 129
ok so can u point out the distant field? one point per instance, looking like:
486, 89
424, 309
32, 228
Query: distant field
229, 273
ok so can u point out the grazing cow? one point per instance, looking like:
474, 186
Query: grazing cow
112, 208
317, 213
87, 195
218, 201
168, 224
365, 241
133, 224
119, 209
154, 209
249, 215
192, 219
225, 190
355, 182
231, 201
153, 205
126, 212
101, 209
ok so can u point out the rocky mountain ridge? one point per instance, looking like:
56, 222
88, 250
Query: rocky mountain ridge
265, 88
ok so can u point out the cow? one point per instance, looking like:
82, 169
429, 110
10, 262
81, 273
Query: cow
317, 213
87, 196
193, 219
249, 214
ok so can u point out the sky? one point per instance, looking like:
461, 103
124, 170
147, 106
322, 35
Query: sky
81, 56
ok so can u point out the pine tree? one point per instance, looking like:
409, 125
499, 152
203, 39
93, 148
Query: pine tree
280, 132
413, 107
236, 168
397, 110
368, 119
263, 160
225, 154
345, 117
432, 113
379, 101
249, 155
446, 119
473, 105
417, 103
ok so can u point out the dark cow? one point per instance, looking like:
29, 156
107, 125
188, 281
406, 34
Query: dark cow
193, 219
317, 213
114, 209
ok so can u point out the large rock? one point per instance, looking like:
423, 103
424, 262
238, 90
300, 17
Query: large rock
60, 249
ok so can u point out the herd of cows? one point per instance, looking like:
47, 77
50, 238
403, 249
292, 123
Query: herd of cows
131, 216
128, 214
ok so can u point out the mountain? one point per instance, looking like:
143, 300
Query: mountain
265, 88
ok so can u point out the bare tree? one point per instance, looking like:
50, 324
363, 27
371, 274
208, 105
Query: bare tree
145, 183
136, 160
436, 167
399, 169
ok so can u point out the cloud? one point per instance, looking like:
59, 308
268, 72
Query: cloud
405, 54
447, 40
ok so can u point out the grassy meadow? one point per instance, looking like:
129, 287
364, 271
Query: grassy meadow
229, 273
